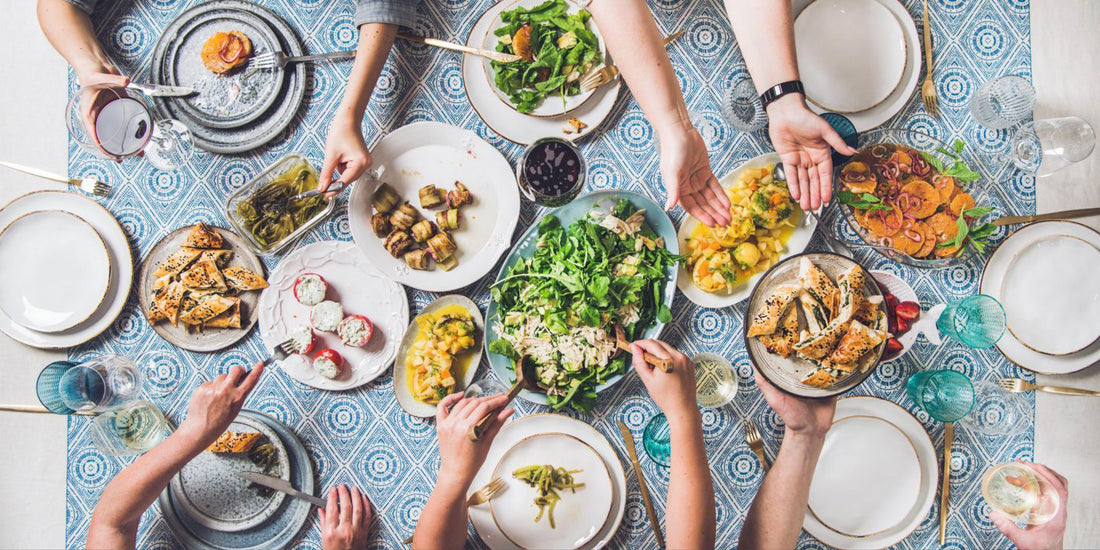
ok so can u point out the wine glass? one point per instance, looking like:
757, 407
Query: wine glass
1048, 145
1003, 102
113, 123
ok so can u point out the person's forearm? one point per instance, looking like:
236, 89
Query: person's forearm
632, 39
764, 32
442, 523
115, 518
690, 513
775, 517
375, 41
69, 31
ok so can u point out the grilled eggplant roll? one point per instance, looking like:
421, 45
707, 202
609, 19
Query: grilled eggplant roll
448, 264
430, 196
422, 231
404, 217
442, 247
417, 259
385, 199
397, 243
459, 196
447, 220
381, 225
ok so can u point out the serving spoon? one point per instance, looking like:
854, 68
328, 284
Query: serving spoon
526, 379
624, 345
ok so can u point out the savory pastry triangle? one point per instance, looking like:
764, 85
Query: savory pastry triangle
817, 318
857, 341
868, 311
166, 304
820, 378
161, 283
234, 442
851, 284
766, 319
819, 345
210, 307
220, 257
230, 318
782, 341
817, 283
201, 236
240, 278
177, 262
204, 275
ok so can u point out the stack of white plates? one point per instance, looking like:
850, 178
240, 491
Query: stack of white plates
65, 269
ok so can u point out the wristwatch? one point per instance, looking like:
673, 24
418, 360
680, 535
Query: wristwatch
779, 90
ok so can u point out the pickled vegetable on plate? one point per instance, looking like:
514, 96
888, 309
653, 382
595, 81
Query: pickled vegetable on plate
547, 480
271, 214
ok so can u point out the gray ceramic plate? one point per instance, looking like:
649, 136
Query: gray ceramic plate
279, 531
211, 493
211, 339
254, 134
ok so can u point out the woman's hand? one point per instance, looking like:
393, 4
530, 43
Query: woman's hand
801, 416
345, 152
673, 392
685, 168
460, 458
803, 142
215, 404
1047, 536
345, 522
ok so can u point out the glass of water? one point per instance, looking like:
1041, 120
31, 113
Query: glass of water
996, 411
657, 440
130, 429
1048, 145
92, 386
113, 123
1003, 102
978, 321
741, 105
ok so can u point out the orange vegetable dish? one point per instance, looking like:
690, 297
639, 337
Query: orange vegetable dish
225, 51
914, 209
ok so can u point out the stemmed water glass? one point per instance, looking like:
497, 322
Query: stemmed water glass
113, 123
1048, 145
1003, 102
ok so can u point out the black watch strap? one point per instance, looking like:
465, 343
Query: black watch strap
780, 90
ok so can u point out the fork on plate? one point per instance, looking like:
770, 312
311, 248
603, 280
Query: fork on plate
278, 60
1018, 385
88, 185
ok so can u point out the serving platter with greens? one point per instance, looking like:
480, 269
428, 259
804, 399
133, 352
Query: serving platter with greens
607, 258
558, 43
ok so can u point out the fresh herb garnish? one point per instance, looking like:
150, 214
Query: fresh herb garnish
959, 170
976, 237
864, 201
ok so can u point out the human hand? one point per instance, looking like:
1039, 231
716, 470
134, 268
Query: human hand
803, 142
345, 522
460, 458
216, 403
685, 168
673, 392
1047, 536
98, 88
801, 415
345, 152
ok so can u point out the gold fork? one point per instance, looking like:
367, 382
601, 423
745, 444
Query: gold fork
928, 89
608, 73
481, 496
1017, 385
756, 443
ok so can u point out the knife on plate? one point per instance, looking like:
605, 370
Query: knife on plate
283, 486
628, 438
153, 90
1063, 215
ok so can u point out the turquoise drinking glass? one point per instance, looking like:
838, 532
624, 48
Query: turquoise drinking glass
945, 395
977, 321
657, 440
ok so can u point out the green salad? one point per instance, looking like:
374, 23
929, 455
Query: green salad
556, 48
559, 306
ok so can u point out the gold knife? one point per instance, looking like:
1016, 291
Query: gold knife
945, 487
628, 438
495, 56
1063, 215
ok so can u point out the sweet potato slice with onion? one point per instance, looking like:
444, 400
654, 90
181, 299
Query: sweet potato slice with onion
946, 187
944, 225
928, 239
922, 199
961, 203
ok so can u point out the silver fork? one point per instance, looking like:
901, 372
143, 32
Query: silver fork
1017, 385
281, 352
608, 73
481, 496
273, 60
90, 186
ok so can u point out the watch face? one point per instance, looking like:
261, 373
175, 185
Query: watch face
123, 126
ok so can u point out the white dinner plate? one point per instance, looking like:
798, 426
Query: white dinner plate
122, 267
400, 373
502, 118
798, 242
884, 440
433, 153
360, 288
55, 270
1053, 307
1081, 305
580, 513
515, 431
896, 100
846, 70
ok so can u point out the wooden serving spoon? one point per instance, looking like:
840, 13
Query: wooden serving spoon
624, 345
526, 379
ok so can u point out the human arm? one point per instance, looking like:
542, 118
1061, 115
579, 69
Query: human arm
69, 30
765, 33
690, 512
631, 37
775, 516
213, 406
345, 520
1047, 536
442, 523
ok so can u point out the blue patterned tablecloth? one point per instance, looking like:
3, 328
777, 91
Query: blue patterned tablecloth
363, 438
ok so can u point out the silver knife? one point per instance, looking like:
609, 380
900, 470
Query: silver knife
1063, 215
281, 485
154, 90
